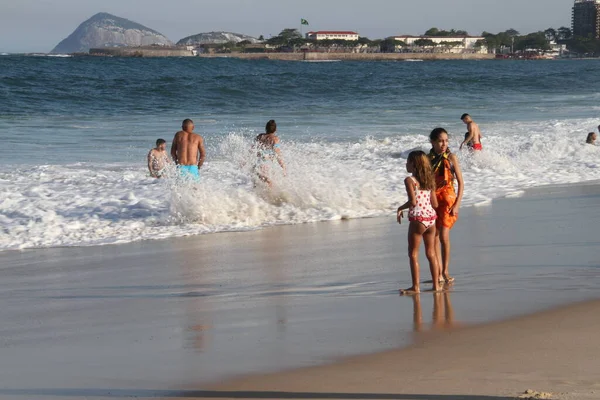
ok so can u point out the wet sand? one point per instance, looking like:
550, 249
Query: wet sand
552, 353
165, 318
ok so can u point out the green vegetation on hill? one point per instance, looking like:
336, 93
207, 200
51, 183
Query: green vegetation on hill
442, 33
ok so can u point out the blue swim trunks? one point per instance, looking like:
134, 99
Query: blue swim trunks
190, 172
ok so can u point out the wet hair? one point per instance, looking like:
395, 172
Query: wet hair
462, 117
422, 169
271, 127
160, 141
186, 123
436, 133
590, 138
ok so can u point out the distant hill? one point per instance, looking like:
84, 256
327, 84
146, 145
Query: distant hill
216, 38
106, 30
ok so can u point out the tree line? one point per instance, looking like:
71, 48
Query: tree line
291, 39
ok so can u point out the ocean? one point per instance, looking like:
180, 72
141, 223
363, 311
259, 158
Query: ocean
77, 131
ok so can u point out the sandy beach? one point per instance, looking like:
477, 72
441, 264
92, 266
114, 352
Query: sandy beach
553, 353
220, 316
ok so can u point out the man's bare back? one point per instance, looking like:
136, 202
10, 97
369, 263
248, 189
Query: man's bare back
474, 133
188, 147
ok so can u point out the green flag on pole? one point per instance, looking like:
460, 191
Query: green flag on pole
303, 21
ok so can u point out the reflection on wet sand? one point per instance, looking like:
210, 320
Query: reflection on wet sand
442, 316
197, 322
273, 261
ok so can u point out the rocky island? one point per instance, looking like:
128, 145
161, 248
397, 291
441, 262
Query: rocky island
105, 30
216, 38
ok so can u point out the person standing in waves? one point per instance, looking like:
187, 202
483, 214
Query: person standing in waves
188, 151
267, 152
473, 136
158, 159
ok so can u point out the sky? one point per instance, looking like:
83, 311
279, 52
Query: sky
38, 25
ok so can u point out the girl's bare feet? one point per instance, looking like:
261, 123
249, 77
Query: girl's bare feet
437, 288
410, 291
448, 279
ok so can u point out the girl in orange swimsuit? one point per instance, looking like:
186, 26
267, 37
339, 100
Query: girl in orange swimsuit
446, 168
420, 188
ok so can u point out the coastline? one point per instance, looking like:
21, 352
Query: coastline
299, 56
314, 56
253, 303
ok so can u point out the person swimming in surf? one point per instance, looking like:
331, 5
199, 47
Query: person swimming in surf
188, 151
267, 152
474, 134
446, 169
591, 138
158, 159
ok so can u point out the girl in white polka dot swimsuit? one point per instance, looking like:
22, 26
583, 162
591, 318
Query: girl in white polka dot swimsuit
421, 204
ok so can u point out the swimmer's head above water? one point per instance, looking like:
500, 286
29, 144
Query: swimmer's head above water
161, 145
591, 138
187, 125
271, 127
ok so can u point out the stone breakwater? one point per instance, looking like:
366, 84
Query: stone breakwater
140, 52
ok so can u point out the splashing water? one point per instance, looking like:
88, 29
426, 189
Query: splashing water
81, 204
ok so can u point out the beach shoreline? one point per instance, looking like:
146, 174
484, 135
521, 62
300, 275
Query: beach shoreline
216, 307
550, 354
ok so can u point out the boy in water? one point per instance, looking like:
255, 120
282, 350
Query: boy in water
474, 134
158, 159
469, 143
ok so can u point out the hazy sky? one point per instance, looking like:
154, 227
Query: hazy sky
38, 25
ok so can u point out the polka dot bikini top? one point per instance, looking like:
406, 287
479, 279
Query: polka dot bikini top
423, 211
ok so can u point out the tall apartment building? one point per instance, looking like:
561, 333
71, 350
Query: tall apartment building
586, 18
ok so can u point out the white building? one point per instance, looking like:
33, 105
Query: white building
556, 50
448, 44
332, 35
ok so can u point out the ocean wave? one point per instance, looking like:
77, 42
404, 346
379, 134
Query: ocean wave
89, 204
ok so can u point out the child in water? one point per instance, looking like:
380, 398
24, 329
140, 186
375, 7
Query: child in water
469, 143
268, 151
421, 204
158, 159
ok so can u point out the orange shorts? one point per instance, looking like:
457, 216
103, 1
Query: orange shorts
446, 198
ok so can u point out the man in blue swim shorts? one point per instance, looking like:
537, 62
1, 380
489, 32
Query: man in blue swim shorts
188, 151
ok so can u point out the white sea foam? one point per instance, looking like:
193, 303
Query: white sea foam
85, 204
52, 55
